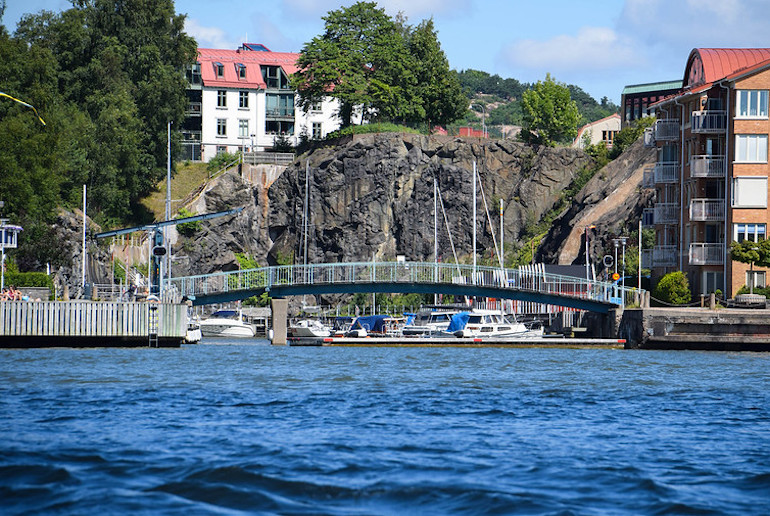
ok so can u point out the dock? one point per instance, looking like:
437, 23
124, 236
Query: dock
456, 342
79, 324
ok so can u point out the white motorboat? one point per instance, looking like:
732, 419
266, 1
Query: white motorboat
492, 324
430, 321
226, 323
309, 328
193, 334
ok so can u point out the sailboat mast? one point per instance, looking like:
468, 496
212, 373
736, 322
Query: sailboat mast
474, 222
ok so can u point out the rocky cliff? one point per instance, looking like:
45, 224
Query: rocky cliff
374, 196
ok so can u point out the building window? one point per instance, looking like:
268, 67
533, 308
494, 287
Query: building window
759, 278
317, 130
221, 149
712, 281
753, 232
750, 192
243, 128
243, 99
241, 69
316, 107
281, 106
219, 69
274, 127
751, 148
221, 98
221, 127
608, 137
751, 104
275, 78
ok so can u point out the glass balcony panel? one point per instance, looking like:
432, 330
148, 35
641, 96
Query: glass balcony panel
706, 122
707, 254
707, 210
664, 256
667, 129
666, 213
707, 166
667, 172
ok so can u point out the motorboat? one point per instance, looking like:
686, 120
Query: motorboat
374, 326
309, 328
193, 334
226, 323
429, 321
492, 324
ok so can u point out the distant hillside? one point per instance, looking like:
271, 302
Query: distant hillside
501, 100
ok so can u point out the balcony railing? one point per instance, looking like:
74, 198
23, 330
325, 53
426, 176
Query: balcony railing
648, 178
667, 129
647, 261
707, 210
707, 166
664, 256
280, 113
194, 109
666, 213
667, 172
649, 137
707, 122
707, 254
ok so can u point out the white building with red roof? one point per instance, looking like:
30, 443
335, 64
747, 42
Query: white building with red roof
242, 100
711, 175
603, 130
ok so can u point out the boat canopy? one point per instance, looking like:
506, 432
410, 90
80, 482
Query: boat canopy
374, 323
458, 322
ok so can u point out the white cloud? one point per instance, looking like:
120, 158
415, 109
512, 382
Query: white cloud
591, 49
209, 37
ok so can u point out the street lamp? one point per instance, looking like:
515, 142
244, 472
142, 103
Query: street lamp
620, 241
483, 118
586, 232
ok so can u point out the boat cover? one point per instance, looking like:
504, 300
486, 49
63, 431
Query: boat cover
374, 323
458, 322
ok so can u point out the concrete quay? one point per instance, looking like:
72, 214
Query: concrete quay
696, 329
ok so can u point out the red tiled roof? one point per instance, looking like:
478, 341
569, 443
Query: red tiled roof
708, 65
207, 57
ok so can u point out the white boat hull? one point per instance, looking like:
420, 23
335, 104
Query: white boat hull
226, 330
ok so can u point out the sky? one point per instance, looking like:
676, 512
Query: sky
598, 45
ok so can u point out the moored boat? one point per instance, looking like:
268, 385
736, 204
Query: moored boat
492, 324
429, 321
226, 323
309, 328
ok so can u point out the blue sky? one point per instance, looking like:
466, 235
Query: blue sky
599, 45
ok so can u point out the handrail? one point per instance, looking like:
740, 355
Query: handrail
265, 278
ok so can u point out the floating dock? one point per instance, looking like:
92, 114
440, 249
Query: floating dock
456, 342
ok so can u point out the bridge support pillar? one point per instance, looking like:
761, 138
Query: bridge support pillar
280, 309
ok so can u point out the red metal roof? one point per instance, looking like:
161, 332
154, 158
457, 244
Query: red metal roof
708, 65
207, 57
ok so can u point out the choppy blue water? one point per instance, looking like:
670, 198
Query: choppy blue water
249, 428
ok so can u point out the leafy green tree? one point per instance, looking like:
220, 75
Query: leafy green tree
673, 288
438, 89
550, 115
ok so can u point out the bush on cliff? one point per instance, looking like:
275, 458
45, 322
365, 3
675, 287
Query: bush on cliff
673, 288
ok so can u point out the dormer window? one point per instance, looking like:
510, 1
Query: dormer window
219, 69
241, 69
275, 78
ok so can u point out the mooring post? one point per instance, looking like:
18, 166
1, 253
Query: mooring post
280, 313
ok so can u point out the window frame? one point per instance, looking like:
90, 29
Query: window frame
221, 127
756, 140
745, 97
736, 201
749, 231
243, 99
221, 98
243, 122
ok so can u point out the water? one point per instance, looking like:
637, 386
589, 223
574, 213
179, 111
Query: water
238, 428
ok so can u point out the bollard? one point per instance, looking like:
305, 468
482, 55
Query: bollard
712, 301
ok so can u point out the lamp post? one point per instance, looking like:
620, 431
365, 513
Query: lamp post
483, 118
618, 242
588, 278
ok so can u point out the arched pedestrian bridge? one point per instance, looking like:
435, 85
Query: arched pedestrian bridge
523, 284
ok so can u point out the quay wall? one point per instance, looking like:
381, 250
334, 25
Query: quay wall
90, 324
696, 328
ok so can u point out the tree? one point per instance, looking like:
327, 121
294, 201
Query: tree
752, 253
550, 115
673, 288
385, 68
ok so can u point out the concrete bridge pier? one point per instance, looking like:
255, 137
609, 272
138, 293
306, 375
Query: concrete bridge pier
280, 308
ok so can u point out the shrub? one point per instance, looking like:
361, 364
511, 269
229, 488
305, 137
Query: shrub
187, 229
673, 288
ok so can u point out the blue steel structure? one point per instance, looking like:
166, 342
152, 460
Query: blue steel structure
405, 277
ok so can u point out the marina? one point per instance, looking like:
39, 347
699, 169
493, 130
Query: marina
450, 341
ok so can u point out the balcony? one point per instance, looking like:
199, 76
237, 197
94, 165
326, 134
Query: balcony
666, 213
664, 256
709, 122
707, 210
667, 130
707, 254
667, 172
707, 166
194, 109
280, 113
649, 137
648, 178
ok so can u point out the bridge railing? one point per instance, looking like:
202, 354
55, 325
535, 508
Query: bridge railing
266, 278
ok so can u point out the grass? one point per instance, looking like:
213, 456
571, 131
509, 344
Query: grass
187, 178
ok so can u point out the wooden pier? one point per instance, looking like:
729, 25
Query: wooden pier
91, 324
